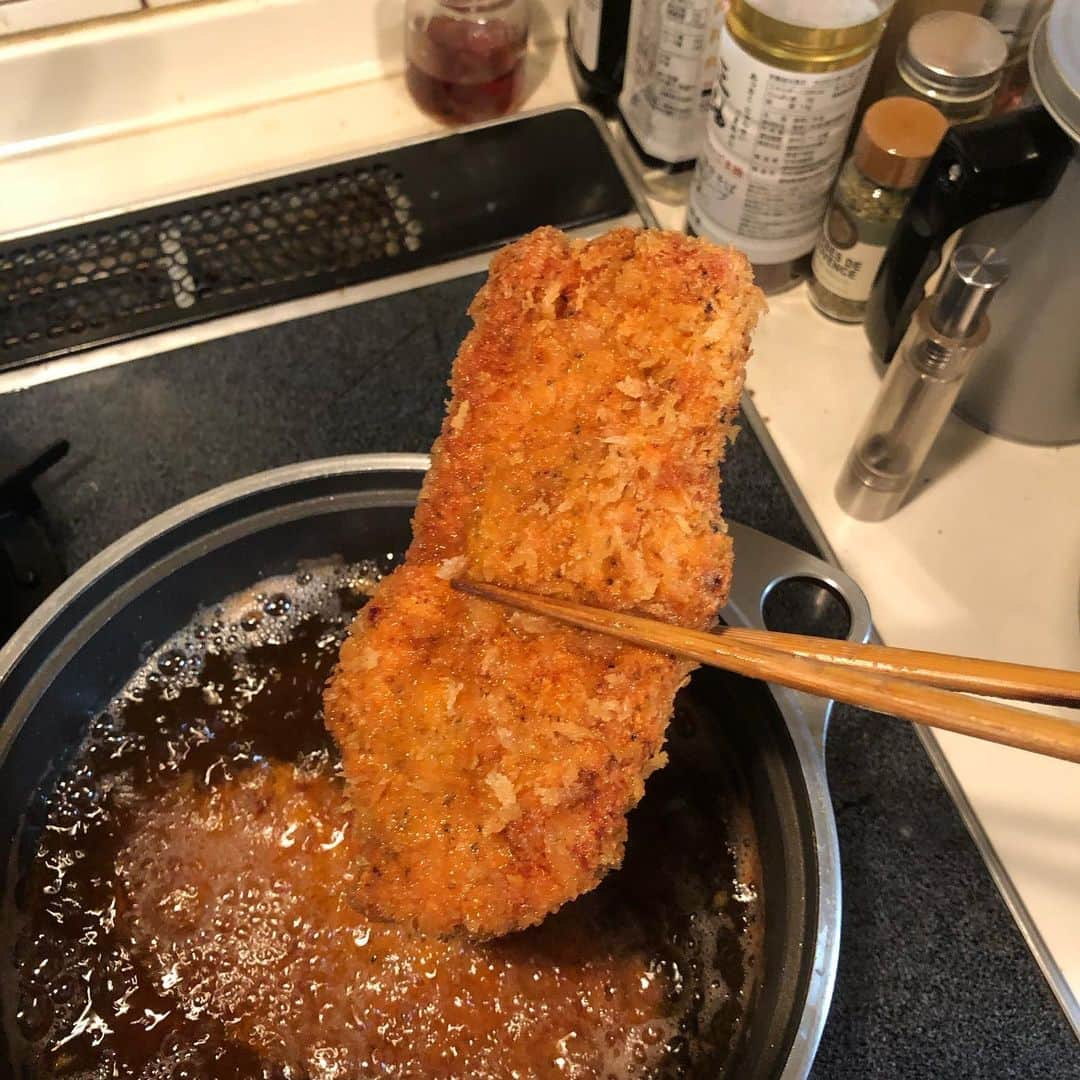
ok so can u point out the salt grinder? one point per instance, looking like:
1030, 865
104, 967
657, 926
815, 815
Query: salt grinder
921, 385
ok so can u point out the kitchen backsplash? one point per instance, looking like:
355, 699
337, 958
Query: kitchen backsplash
174, 61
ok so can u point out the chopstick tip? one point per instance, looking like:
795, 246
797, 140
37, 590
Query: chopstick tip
465, 585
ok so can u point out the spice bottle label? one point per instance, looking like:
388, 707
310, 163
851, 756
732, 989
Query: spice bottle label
585, 31
670, 68
843, 263
774, 140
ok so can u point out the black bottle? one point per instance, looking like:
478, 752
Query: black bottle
596, 44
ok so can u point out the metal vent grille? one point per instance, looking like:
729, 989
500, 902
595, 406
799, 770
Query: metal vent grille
206, 257
385, 215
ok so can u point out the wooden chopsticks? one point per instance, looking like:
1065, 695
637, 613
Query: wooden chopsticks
901, 682
990, 678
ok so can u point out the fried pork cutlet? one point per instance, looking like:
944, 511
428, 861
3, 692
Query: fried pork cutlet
492, 756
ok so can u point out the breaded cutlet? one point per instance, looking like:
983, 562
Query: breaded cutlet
492, 756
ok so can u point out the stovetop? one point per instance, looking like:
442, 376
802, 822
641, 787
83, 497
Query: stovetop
402, 210
934, 977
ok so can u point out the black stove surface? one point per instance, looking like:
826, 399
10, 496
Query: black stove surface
30, 565
934, 980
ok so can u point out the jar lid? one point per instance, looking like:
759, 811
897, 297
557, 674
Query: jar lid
957, 54
1055, 65
897, 138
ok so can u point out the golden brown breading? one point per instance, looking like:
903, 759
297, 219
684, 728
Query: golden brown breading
493, 756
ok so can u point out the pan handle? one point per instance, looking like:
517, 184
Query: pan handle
761, 564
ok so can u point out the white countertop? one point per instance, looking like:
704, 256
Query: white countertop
984, 561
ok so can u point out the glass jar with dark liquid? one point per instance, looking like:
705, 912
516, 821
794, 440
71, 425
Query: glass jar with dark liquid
465, 59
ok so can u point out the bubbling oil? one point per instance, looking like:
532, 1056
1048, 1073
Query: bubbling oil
189, 909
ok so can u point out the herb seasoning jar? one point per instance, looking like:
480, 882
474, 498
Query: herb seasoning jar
897, 138
954, 61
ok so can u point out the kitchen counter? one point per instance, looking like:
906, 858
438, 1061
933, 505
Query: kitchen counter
983, 561
934, 976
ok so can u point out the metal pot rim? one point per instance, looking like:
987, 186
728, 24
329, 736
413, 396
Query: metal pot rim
805, 717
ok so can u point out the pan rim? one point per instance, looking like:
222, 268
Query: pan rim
72, 586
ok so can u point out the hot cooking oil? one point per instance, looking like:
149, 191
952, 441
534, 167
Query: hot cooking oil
190, 907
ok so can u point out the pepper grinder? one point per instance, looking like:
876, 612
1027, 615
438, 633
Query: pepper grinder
921, 385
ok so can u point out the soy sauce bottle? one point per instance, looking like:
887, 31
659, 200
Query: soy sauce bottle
465, 59
596, 43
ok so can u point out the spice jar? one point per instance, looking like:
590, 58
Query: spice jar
465, 59
897, 138
953, 60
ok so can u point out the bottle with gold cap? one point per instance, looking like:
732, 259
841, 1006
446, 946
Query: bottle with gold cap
897, 138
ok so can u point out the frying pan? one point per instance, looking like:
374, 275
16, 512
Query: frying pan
83, 643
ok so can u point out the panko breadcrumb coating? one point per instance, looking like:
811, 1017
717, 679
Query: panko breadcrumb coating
492, 756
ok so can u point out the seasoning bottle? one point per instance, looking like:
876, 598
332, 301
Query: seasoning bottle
954, 61
921, 385
897, 138
790, 75
1016, 19
465, 59
670, 67
902, 17
596, 43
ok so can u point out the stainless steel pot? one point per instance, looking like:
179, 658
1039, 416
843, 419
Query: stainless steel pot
79, 648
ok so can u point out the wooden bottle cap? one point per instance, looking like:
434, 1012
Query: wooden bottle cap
897, 138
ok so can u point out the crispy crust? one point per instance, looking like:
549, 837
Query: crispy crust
493, 756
